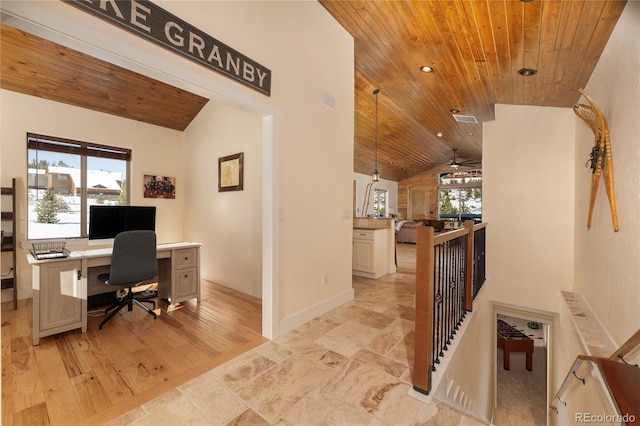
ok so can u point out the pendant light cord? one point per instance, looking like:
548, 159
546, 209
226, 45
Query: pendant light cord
376, 175
376, 92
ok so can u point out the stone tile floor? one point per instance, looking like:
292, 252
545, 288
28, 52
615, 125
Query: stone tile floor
350, 366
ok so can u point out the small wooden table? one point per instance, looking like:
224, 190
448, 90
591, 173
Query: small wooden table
512, 340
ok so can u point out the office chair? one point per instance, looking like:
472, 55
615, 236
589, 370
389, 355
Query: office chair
133, 262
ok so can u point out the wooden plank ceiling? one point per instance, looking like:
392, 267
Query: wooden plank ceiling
38, 67
475, 48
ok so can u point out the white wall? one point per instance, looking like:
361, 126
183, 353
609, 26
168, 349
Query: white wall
309, 54
361, 185
228, 224
606, 262
156, 151
528, 192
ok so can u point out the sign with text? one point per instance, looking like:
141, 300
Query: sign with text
156, 24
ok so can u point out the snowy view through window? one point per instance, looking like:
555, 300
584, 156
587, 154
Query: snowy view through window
460, 195
56, 195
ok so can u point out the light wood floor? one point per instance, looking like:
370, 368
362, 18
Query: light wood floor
92, 377
406, 258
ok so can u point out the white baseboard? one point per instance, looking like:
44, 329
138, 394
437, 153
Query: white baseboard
420, 396
307, 314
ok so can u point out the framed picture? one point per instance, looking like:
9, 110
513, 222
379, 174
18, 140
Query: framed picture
230, 172
159, 187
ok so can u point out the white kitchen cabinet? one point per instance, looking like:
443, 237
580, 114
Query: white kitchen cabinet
370, 252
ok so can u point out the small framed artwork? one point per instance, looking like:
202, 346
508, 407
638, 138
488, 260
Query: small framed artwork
159, 187
230, 172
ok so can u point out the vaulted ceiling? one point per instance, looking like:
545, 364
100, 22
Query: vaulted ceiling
39, 67
475, 48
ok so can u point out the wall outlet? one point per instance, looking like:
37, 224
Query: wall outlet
324, 278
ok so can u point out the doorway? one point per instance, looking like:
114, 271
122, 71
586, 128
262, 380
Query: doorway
522, 385
75, 36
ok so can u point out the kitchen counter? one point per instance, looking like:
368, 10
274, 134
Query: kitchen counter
371, 223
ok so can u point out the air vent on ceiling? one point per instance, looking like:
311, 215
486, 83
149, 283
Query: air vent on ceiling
465, 118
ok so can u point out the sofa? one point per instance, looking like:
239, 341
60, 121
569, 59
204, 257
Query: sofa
407, 230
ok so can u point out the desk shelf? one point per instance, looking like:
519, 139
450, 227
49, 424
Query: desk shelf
8, 241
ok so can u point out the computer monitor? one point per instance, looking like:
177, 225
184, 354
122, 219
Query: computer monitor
106, 222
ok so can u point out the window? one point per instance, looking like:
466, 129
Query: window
379, 203
460, 195
64, 178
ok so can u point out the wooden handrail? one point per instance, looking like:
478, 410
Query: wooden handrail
631, 343
448, 236
617, 388
452, 235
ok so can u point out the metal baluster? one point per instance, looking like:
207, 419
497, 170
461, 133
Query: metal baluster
476, 262
479, 260
456, 291
455, 294
463, 273
450, 287
445, 300
436, 307
440, 325
455, 283
434, 339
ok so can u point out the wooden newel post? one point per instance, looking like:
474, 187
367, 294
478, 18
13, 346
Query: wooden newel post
423, 348
469, 274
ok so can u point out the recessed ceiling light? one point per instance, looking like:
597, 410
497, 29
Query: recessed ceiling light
439, 134
470, 133
454, 111
404, 168
426, 69
527, 72
390, 163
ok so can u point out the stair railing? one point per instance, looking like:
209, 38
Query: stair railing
449, 274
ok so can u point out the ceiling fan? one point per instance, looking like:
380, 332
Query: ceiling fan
467, 163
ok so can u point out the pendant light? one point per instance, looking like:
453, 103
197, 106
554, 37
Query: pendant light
376, 174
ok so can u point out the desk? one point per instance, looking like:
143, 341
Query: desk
61, 286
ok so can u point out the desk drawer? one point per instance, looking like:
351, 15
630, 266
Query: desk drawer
185, 285
186, 258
